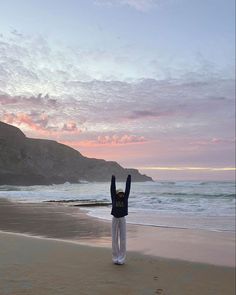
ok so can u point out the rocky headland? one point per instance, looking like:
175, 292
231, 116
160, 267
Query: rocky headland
30, 161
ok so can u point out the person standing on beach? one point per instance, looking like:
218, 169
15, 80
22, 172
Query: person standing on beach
119, 211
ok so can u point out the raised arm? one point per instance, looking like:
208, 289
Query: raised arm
113, 187
127, 187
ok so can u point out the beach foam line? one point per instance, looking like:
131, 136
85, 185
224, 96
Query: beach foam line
91, 214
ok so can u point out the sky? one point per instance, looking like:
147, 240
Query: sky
147, 83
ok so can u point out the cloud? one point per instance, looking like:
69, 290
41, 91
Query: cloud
142, 107
39, 100
213, 141
50, 94
148, 114
38, 123
70, 126
35, 121
116, 139
140, 5
108, 141
30, 65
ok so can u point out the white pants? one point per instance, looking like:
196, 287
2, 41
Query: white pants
118, 240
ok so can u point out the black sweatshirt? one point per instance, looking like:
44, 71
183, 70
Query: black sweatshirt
120, 205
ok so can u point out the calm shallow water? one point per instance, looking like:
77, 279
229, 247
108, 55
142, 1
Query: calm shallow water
199, 205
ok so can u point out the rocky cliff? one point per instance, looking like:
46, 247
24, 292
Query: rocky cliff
28, 161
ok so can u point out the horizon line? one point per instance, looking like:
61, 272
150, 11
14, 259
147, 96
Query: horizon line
186, 168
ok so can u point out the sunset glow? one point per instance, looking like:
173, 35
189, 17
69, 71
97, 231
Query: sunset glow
189, 168
150, 84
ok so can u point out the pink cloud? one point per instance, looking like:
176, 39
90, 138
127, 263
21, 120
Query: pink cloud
222, 140
39, 125
123, 139
70, 126
26, 119
107, 141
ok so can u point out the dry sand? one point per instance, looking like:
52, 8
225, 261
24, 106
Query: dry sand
31, 266
36, 266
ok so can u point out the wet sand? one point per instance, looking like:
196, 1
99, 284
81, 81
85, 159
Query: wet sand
50, 220
58, 221
31, 265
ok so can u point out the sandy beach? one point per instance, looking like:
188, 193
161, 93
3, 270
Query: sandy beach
70, 254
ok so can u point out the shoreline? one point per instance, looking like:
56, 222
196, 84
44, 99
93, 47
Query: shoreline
73, 225
106, 243
163, 225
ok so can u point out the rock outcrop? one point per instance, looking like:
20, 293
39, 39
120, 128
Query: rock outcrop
28, 161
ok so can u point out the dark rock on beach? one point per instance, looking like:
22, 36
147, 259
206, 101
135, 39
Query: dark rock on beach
28, 161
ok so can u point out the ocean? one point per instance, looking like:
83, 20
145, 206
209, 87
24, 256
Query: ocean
186, 205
